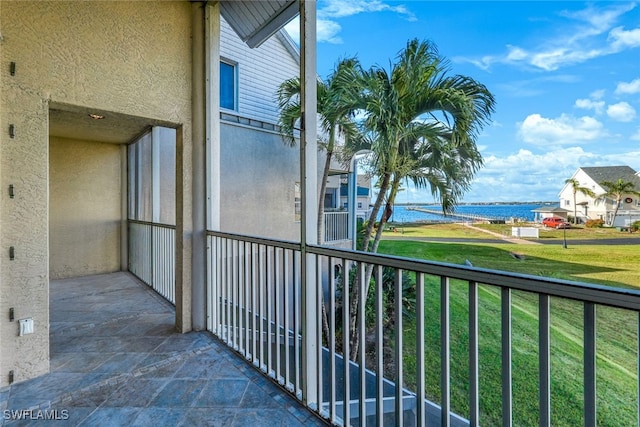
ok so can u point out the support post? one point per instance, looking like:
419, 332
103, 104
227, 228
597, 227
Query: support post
309, 179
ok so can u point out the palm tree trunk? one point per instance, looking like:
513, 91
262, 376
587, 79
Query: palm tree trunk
354, 339
323, 188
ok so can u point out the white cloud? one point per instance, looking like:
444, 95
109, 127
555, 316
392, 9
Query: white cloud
344, 8
328, 29
635, 136
592, 35
589, 104
597, 94
630, 88
621, 39
621, 112
529, 176
564, 130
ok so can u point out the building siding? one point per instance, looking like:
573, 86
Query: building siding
260, 72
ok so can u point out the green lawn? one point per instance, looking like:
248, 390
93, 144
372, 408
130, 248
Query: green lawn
616, 336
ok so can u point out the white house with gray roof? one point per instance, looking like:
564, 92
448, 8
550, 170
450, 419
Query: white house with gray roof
598, 207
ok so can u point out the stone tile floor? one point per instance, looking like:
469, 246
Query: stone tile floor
117, 361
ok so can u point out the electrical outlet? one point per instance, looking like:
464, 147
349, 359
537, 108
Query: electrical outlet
26, 326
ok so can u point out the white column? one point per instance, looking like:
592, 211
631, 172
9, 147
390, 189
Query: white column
155, 174
309, 180
212, 64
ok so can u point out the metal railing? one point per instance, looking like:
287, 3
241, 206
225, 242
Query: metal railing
152, 256
416, 351
336, 226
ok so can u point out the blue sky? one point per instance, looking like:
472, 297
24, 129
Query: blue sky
565, 74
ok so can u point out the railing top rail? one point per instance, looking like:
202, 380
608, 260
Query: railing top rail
155, 224
258, 240
598, 294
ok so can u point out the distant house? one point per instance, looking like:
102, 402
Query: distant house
598, 207
363, 196
550, 211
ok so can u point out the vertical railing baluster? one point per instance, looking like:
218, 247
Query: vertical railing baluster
332, 342
259, 306
254, 303
217, 284
361, 333
507, 405
544, 355
346, 321
243, 299
474, 385
229, 290
445, 334
319, 299
278, 320
398, 349
296, 321
269, 284
234, 293
379, 347
240, 308
590, 413
420, 351
287, 311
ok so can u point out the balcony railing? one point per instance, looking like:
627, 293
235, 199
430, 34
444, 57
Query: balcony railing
152, 256
450, 344
336, 226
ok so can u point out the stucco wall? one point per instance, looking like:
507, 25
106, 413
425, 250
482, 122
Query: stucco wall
128, 57
258, 176
84, 208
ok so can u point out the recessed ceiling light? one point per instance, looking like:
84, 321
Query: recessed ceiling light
96, 116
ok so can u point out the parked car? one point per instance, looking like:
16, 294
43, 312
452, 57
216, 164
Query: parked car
555, 222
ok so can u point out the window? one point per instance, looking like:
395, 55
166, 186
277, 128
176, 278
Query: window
567, 202
359, 205
227, 85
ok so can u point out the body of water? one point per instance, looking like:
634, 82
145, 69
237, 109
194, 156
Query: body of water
506, 212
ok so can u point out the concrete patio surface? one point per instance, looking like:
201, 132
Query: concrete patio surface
117, 361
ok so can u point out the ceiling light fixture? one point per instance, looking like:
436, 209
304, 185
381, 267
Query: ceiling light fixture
96, 116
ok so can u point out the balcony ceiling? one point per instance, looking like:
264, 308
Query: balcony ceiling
256, 21
70, 121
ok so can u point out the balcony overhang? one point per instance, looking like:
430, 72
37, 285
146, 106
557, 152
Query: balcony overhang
256, 21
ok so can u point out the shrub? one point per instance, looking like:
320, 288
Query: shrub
635, 226
595, 223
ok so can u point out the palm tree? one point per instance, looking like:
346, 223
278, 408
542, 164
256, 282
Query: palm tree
422, 125
617, 190
577, 188
417, 102
335, 110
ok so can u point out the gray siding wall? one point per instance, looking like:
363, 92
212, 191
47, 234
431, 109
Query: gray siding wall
258, 173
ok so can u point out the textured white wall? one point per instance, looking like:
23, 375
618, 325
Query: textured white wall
84, 208
128, 57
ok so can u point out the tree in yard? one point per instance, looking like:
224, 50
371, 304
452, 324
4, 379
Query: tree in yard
422, 125
335, 110
617, 190
577, 188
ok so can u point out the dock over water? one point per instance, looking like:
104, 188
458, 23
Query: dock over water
463, 216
